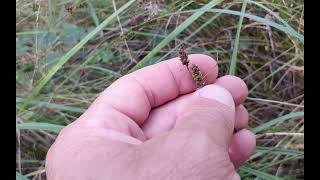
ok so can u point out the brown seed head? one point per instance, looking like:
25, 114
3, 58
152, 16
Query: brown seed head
183, 56
197, 76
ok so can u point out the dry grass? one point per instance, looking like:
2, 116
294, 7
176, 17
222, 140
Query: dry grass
269, 60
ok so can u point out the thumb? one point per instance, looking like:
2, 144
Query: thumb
203, 132
211, 111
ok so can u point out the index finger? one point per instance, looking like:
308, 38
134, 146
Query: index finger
135, 94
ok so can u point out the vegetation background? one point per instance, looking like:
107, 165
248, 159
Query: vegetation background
67, 51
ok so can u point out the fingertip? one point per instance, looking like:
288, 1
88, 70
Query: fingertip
236, 86
242, 117
208, 66
217, 93
242, 146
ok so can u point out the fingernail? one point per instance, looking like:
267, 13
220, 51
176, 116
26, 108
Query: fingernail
217, 93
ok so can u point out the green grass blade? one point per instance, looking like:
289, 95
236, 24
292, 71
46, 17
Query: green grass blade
174, 34
50, 9
28, 161
193, 33
87, 61
40, 126
278, 162
72, 52
181, 27
259, 174
20, 176
271, 12
277, 120
54, 106
288, 30
265, 21
92, 13
233, 64
278, 151
32, 32
108, 71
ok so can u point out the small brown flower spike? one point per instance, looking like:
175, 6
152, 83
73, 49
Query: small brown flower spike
197, 76
183, 56
195, 70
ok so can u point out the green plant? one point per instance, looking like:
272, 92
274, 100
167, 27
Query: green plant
65, 59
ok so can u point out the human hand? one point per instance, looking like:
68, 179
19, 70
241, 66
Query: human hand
154, 124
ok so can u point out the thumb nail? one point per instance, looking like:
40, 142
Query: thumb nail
217, 93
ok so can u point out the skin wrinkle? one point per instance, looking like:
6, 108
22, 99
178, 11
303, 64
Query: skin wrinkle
61, 143
159, 155
175, 171
129, 157
118, 109
107, 156
217, 159
141, 167
94, 141
115, 121
122, 127
200, 111
175, 117
177, 84
146, 88
110, 91
185, 148
188, 154
132, 129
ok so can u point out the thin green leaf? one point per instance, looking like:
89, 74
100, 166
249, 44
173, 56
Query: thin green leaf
51, 12
174, 34
27, 161
286, 159
233, 64
108, 71
271, 12
193, 34
54, 106
259, 174
72, 52
87, 61
277, 120
265, 21
185, 24
278, 151
40, 126
92, 13
20, 176
289, 30
33, 32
